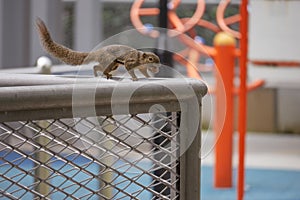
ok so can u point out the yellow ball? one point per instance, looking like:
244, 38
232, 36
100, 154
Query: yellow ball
224, 39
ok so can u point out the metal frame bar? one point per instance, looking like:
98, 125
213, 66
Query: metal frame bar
41, 101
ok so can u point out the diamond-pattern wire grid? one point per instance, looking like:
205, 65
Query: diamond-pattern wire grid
108, 157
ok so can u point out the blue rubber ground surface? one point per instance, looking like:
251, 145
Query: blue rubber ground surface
261, 184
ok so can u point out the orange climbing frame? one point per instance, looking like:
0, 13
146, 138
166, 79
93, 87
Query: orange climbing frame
224, 57
137, 11
223, 121
242, 99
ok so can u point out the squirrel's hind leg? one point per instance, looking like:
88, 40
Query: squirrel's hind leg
111, 67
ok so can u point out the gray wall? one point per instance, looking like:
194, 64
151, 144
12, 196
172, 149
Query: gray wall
19, 42
14, 33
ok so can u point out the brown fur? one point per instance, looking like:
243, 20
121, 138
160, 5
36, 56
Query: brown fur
61, 52
108, 58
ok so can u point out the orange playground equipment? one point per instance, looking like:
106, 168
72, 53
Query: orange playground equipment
225, 51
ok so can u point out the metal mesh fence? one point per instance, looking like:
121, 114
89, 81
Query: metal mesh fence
77, 159
47, 152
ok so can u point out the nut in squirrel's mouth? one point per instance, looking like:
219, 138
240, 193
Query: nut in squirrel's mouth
153, 67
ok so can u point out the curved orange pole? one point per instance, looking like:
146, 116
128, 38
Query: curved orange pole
187, 25
208, 25
204, 23
201, 48
220, 19
191, 65
174, 4
137, 11
175, 21
232, 19
134, 13
148, 11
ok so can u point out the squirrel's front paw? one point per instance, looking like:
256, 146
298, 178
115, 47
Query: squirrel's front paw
108, 76
135, 79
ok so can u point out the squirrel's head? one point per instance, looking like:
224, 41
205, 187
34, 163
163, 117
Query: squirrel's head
149, 57
152, 61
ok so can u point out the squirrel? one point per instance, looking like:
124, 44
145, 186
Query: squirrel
108, 58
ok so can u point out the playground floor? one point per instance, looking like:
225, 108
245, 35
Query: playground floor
272, 160
272, 169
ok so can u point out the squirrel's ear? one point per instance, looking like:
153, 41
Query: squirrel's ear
144, 55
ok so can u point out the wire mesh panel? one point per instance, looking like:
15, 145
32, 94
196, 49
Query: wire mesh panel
50, 159
48, 152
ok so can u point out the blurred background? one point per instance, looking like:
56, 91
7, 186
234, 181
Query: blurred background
273, 116
273, 38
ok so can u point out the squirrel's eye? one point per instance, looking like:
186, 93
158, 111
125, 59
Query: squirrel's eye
150, 59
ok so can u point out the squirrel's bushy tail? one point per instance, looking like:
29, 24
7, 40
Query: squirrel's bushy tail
59, 51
